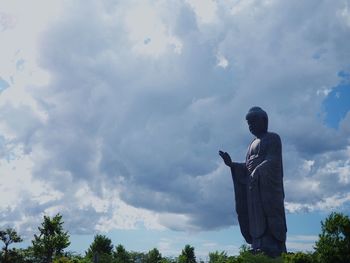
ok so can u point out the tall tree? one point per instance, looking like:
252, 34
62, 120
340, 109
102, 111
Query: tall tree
52, 239
153, 256
137, 257
218, 257
333, 245
101, 249
121, 255
8, 236
187, 255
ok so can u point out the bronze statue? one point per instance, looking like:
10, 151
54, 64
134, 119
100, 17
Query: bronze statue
258, 186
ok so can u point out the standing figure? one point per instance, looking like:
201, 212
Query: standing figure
258, 186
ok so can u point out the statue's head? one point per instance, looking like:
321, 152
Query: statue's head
257, 121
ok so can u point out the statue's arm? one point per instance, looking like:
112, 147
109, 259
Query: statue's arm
239, 172
240, 178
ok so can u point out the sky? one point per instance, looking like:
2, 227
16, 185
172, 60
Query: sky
112, 114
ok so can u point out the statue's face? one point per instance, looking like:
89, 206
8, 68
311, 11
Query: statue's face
256, 125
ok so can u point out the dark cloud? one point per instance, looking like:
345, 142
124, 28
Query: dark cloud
147, 123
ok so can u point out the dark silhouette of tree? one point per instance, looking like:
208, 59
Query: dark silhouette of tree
187, 255
153, 256
168, 260
299, 257
246, 255
333, 245
52, 239
121, 255
8, 236
21, 255
101, 249
137, 257
218, 257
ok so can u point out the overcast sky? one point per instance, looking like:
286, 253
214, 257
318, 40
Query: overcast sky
112, 112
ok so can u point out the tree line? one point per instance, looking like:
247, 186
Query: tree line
49, 245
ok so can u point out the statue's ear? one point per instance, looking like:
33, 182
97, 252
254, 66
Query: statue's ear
266, 122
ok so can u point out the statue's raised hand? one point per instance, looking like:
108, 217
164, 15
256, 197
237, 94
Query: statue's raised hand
226, 157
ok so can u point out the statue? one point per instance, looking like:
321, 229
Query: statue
258, 186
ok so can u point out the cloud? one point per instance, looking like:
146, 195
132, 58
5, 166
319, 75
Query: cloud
302, 242
138, 104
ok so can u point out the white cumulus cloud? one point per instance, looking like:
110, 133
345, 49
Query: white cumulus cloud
138, 98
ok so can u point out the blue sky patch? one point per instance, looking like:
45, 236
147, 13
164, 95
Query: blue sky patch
20, 64
3, 84
337, 103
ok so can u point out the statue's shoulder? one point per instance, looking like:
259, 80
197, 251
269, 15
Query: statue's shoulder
273, 137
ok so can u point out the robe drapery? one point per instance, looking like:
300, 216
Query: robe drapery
259, 194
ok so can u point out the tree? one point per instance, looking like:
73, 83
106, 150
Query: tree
216, 257
334, 241
121, 255
101, 249
8, 236
62, 260
168, 260
187, 255
153, 256
22, 255
245, 255
71, 257
52, 239
298, 257
137, 257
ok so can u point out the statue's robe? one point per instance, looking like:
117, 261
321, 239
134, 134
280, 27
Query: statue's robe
259, 194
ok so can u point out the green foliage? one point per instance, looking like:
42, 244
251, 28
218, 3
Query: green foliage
221, 257
187, 255
121, 255
245, 256
20, 255
137, 256
62, 260
103, 258
298, 257
333, 246
216, 257
51, 241
334, 241
13, 255
153, 256
80, 260
101, 247
9, 236
231, 259
168, 260
76, 258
